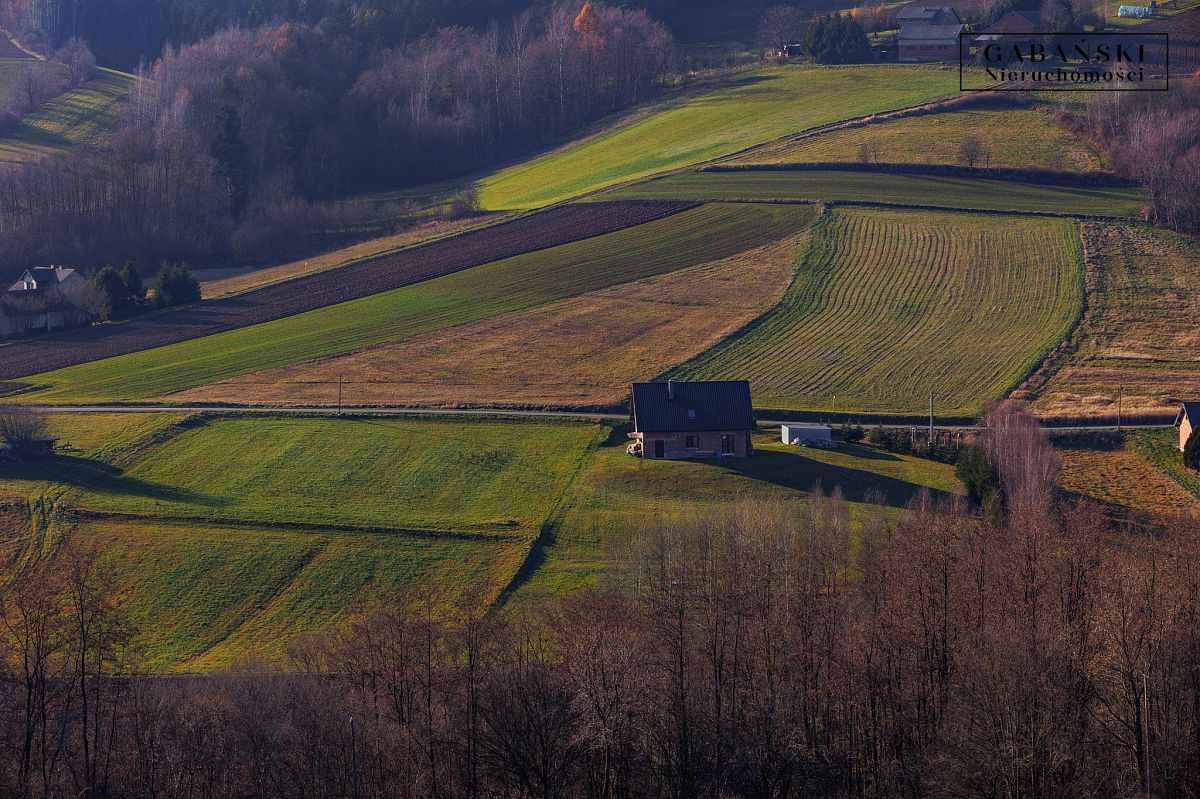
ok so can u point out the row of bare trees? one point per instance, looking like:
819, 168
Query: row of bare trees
1154, 138
765, 651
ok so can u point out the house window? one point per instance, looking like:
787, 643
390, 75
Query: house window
691, 442
727, 444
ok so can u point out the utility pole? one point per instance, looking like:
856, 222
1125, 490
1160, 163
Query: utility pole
339, 402
1120, 404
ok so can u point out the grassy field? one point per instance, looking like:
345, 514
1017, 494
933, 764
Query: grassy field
935, 139
686, 239
387, 474
221, 533
228, 535
85, 115
1140, 330
581, 351
1141, 474
756, 107
889, 305
887, 187
616, 497
216, 283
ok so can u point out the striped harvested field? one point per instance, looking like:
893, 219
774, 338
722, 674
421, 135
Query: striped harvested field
1139, 337
889, 188
891, 304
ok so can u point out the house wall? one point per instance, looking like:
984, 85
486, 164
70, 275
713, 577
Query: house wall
708, 445
1185, 431
928, 51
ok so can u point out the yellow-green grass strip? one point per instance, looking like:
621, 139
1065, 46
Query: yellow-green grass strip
893, 188
696, 236
757, 107
889, 305
1014, 138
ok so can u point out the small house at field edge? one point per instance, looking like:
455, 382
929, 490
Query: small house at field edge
928, 33
703, 419
1186, 420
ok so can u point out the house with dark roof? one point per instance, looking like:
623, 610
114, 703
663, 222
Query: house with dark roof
928, 33
703, 419
1186, 420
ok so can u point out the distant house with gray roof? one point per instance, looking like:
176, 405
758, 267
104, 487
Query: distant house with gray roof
928, 33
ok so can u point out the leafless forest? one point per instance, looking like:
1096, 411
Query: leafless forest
236, 146
1033, 650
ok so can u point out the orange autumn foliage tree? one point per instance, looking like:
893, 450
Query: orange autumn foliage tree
590, 28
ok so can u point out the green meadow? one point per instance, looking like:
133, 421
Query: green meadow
755, 107
700, 235
617, 497
85, 115
227, 535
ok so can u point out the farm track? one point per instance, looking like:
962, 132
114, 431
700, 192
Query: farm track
551, 228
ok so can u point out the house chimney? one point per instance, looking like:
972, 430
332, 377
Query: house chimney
671, 390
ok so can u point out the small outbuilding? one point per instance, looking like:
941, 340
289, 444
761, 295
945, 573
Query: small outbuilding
1186, 420
702, 419
807, 434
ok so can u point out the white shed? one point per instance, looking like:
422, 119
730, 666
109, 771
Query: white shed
807, 434
1136, 12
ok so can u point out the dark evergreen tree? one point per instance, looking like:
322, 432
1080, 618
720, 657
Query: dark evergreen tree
108, 281
135, 287
229, 150
175, 286
1191, 450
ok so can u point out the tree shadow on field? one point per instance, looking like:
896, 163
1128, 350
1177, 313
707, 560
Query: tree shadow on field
794, 470
98, 477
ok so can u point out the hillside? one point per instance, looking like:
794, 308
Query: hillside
81, 116
755, 107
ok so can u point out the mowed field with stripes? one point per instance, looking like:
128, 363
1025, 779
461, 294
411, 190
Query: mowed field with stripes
889, 305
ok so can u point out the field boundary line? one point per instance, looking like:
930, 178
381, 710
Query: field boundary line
313, 528
547, 535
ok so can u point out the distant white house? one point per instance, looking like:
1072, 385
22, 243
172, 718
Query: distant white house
44, 278
807, 434
42, 298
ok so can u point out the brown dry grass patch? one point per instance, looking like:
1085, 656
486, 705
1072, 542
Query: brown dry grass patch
1122, 478
1140, 329
216, 283
579, 352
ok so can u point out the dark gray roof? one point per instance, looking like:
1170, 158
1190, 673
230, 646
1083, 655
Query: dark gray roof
679, 407
913, 31
1191, 410
935, 22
